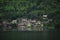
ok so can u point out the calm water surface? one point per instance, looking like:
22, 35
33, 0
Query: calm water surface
47, 35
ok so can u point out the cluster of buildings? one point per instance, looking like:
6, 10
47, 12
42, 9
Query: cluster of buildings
23, 24
29, 24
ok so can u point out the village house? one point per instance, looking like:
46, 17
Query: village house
21, 24
45, 16
28, 25
14, 21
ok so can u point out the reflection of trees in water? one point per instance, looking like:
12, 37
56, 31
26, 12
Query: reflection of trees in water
45, 35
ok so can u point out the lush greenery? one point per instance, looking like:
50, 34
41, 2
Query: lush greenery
12, 9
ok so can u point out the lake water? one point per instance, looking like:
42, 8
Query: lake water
32, 35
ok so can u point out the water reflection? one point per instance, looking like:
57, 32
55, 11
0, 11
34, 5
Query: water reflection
46, 35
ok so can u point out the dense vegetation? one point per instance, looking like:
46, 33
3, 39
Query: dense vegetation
34, 9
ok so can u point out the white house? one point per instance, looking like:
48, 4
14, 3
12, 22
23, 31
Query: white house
14, 21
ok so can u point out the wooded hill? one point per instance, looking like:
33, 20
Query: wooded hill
34, 9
